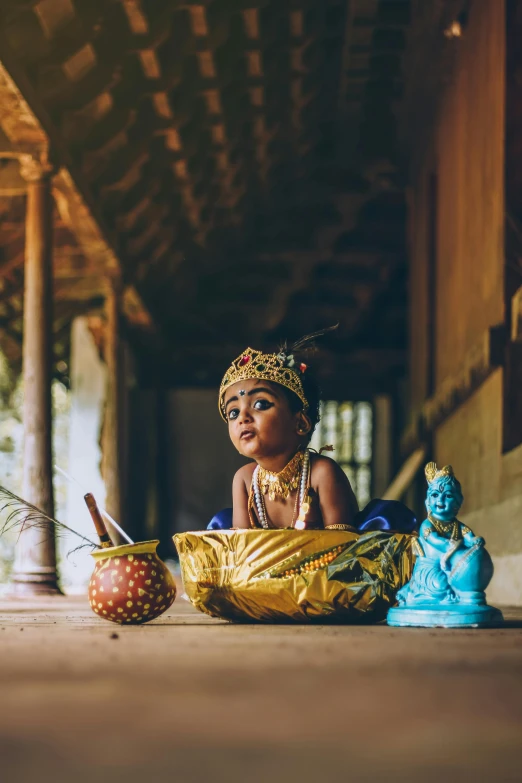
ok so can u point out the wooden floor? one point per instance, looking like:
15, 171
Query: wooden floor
187, 698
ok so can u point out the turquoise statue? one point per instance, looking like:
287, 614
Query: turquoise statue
452, 568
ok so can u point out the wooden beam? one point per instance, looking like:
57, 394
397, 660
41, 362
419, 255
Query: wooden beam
29, 130
11, 181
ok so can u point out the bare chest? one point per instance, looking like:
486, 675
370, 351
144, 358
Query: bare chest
283, 513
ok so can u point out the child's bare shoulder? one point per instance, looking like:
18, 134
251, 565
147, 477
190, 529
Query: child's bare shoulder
325, 468
331, 483
244, 474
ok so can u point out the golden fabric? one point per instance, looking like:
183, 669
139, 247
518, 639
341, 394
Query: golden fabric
294, 575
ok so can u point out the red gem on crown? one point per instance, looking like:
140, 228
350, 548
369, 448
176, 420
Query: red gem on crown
303, 367
244, 360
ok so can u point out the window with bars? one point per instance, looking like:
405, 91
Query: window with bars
348, 427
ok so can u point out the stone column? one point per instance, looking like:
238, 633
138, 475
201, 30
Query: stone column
112, 436
34, 571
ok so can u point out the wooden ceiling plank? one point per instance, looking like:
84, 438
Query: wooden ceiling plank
150, 63
138, 21
18, 119
198, 20
128, 220
297, 23
136, 245
53, 14
251, 22
206, 64
11, 181
254, 158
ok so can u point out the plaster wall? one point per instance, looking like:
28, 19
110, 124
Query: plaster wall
467, 295
88, 388
465, 160
470, 170
203, 460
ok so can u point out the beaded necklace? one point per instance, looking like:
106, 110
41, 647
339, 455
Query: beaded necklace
300, 481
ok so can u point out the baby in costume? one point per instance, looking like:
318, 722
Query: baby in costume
270, 402
294, 552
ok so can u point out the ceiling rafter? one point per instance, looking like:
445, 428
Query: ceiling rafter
217, 136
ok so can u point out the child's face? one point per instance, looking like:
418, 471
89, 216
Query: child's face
260, 420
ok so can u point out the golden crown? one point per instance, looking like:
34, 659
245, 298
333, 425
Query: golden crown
432, 473
264, 367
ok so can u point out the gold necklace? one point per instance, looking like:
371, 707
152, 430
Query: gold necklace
279, 485
451, 529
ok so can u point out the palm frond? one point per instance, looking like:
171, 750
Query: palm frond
22, 515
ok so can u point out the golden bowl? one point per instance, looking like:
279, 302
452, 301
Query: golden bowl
130, 584
294, 575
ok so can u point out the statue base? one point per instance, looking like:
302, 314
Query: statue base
444, 616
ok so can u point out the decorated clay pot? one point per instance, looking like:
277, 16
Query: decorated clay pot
130, 584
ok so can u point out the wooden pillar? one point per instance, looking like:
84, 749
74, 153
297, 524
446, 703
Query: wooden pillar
34, 570
382, 444
112, 435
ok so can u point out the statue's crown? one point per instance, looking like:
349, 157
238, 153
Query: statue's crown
432, 473
277, 367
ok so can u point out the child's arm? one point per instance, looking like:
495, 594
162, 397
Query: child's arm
240, 517
337, 501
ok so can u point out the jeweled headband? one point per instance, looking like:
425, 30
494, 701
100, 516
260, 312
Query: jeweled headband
276, 367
